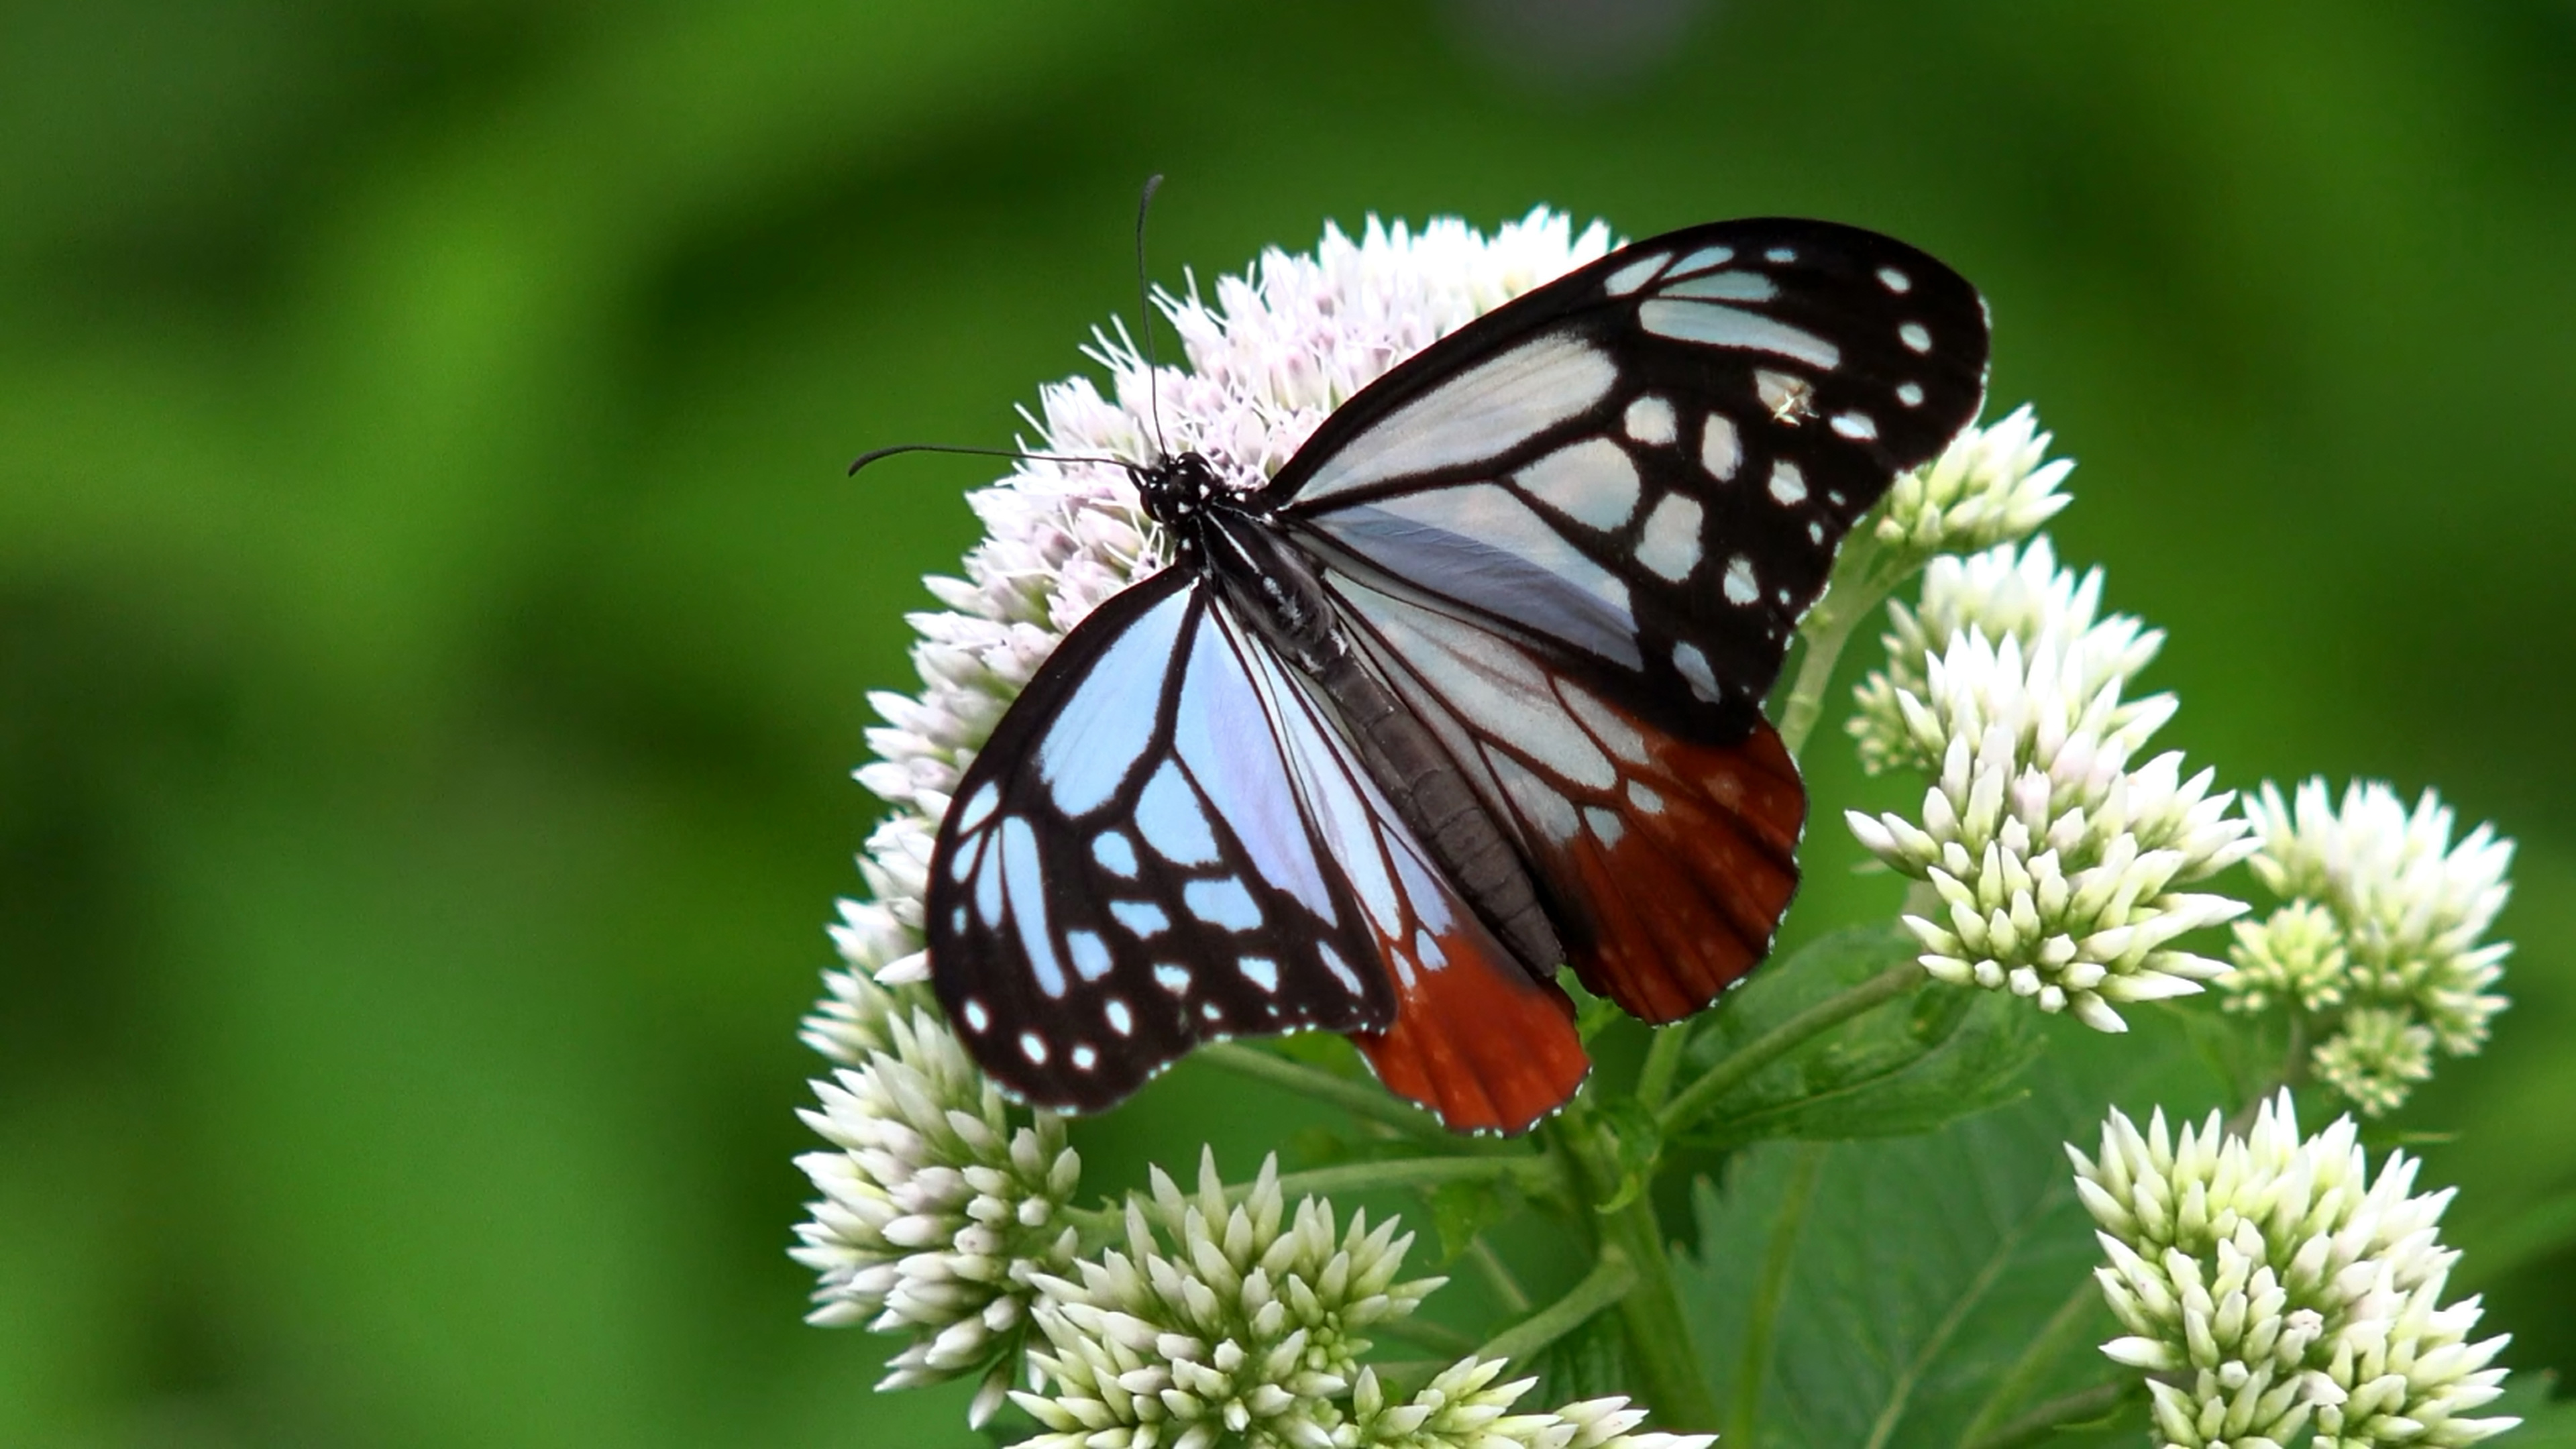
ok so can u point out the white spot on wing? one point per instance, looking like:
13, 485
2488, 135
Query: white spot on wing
1115, 852
1142, 918
977, 1018
1333, 962
1894, 280
1222, 903
1781, 254
1788, 485
1174, 979
1856, 426
1815, 533
1645, 799
1634, 275
1606, 827
1670, 546
1034, 1048
1649, 420
1175, 826
1694, 670
1593, 481
1725, 287
977, 806
1480, 413
1910, 394
1702, 260
1914, 337
1426, 949
1721, 452
1721, 326
1121, 1020
1090, 954
1261, 971
1084, 1058
1740, 586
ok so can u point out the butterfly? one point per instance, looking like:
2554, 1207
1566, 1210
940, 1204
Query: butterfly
1470, 690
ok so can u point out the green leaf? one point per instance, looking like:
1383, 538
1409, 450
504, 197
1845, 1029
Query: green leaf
1462, 1210
1639, 1143
1929, 1273
1589, 1363
1905, 1068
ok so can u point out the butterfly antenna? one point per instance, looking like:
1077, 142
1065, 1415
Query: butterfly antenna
874, 454
1145, 316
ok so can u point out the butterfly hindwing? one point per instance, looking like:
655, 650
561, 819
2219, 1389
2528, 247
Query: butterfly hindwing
1167, 841
1664, 862
1645, 466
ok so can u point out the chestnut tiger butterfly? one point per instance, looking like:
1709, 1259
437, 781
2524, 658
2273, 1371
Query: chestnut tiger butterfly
1469, 691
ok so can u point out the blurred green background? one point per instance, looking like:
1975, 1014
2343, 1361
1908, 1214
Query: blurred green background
433, 622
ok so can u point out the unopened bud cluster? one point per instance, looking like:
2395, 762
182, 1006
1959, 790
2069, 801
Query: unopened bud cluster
2381, 946
2276, 1294
2057, 867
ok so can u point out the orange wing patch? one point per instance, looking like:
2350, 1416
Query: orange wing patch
1672, 887
1475, 1039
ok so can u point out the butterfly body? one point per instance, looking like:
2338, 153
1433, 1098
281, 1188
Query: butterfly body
1269, 585
1469, 690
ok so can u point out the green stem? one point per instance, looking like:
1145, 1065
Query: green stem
1779, 1041
1422, 1332
1754, 1369
1357, 1098
2064, 1329
1536, 1172
1609, 1281
1864, 575
1659, 1336
2040, 1424
1498, 1277
1663, 1060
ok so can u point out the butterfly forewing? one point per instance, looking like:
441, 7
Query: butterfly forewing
1646, 465
1168, 842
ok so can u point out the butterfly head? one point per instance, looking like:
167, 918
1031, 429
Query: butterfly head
1179, 489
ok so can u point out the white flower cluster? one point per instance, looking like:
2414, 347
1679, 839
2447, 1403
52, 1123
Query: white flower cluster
2054, 865
1463, 1408
2276, 1294
938, 1213
1243, 1324
2381, 945
942, 1205
1218, 1322
2002, 593
1988, 487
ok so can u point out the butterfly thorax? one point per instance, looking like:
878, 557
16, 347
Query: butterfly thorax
1268, 584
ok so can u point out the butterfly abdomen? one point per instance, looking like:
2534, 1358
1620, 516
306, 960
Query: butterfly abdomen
1275, 590
1426, 789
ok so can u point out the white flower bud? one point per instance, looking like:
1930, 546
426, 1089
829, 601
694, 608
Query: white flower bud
2289, 1288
